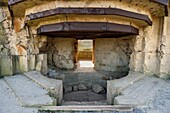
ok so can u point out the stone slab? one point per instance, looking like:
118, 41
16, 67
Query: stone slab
28, 92
41, 63
9, 103
6, 66
54, 86
143, 91
31, 62
20, 64
101, 108
125, 100
114, 87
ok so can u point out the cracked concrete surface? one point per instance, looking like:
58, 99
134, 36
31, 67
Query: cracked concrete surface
152, 92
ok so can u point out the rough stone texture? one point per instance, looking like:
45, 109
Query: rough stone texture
82, 87
113, 54
60, 53
75, 88
67, 89
83, 96
97, 88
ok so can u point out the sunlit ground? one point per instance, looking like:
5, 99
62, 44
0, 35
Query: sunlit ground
86, 64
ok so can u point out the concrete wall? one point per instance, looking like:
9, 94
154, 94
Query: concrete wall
61, 52
113, 54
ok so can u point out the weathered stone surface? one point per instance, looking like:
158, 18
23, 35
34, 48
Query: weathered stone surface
62, 51
125, 100
97, 88
55, 87
41, 64
113, 54
6, 67
82, 87
67, 89
75, 88
23, 63
114, 87
31, 62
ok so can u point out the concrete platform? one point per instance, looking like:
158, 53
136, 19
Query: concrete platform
9, 103
55, 87
114, 87
28, 92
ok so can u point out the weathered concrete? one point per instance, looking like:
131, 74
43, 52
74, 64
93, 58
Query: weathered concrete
41, 63
10, 102
114, 87
6, 66
55, 87
149, 94
28, 92
61, 53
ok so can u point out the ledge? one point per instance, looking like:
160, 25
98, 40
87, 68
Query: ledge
87, 30
164, 3
13, 2
90, 11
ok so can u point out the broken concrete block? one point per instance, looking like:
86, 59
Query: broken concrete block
20, 64
125, 100
31, 62
41, 63
6, 66
23, 64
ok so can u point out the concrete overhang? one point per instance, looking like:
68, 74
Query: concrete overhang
53, 13
22, 5
82, 30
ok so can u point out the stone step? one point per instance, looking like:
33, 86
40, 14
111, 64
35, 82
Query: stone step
55, 87
115, 87
28, 92
87, 108
75, 103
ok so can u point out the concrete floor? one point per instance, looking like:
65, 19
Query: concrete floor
18, 94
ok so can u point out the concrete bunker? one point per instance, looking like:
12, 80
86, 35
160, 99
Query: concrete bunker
106, 45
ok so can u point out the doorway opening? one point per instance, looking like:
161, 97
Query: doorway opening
85, 54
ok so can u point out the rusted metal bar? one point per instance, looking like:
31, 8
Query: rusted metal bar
87, 30
90, 11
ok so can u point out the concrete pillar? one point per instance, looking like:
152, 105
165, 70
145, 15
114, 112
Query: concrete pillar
41, 63
20, 64
31, 62
6, 66
165, 50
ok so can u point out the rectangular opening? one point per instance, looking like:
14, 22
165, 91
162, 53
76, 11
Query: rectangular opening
85, 54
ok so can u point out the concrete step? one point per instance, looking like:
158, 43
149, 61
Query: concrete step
75, 103
87, 108
9, 102
28, 92
55, 87
141, 93
115, 87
